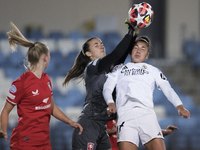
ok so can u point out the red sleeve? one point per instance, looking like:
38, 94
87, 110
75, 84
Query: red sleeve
16, 93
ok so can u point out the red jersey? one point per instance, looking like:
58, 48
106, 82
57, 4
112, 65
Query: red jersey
112, 137
33, 99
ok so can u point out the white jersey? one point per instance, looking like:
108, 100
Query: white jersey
135, 83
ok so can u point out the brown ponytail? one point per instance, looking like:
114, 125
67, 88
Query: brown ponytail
80, 63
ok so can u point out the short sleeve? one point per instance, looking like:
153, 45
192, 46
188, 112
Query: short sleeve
15, 93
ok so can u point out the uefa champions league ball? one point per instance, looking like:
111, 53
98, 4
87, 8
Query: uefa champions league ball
140, 15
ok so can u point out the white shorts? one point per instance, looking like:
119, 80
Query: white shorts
138, 123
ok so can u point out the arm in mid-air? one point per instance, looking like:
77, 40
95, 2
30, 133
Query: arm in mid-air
174, 99
119, 54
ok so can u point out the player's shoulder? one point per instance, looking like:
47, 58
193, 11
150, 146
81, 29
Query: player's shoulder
47, 79
19, 82
153, 68
157, 71
29, 76
92, 66
94, 62
23, 77
45, 75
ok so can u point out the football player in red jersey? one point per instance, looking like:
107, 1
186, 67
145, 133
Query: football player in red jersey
32, 93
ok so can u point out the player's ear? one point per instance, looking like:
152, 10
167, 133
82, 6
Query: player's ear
88, 54
44, 57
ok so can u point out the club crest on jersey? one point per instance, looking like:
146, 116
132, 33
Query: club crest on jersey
144, 67
90, 146
13, 89
35, 92
49, 85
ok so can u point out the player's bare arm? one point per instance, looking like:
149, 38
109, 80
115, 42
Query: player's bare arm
4, 122
58, 114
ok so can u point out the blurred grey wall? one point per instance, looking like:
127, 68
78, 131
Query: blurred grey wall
181, 17
62, 15
182, 22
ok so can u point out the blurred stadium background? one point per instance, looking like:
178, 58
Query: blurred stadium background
65, 25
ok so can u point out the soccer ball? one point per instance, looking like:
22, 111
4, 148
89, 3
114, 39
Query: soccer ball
140, 15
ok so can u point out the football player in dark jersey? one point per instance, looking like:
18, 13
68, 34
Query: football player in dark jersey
92, 64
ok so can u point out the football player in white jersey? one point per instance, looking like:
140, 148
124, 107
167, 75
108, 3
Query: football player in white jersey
135, 83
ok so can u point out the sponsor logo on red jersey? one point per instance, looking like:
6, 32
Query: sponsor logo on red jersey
42, 107
35, 92
45, 100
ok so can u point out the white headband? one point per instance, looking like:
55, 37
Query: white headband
142, 39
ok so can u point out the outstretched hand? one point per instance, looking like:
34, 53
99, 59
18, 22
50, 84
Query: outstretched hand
183, 112
77, 125
169, 130
3, 135
136, 31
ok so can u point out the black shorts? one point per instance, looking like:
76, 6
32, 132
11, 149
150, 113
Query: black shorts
93, 137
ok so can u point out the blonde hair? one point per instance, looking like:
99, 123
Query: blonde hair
35, 50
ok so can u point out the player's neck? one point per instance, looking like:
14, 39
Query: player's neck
37, 71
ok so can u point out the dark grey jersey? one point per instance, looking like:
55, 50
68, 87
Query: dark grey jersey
95, 105
94, 115
95, 77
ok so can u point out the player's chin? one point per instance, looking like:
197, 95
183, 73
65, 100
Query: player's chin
45, 68
137, 61
103, 54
